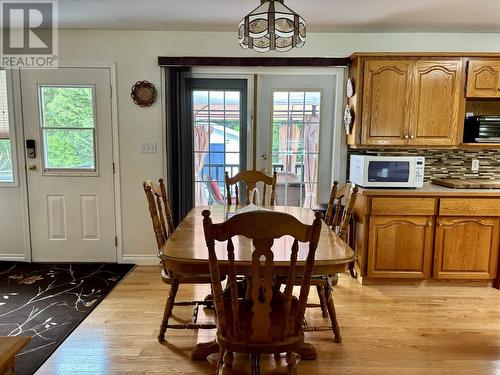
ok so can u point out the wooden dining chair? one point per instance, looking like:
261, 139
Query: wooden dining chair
338, 217
265, 320
163, 227
250, 178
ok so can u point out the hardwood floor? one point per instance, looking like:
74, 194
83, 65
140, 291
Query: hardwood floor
432, 329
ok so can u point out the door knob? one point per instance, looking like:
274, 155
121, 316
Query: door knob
263, 157
32, 167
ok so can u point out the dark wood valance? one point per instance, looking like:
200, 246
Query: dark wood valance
253, 61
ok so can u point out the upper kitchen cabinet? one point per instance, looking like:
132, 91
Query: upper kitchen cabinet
405, 101
435, 116
386, 102
483, 79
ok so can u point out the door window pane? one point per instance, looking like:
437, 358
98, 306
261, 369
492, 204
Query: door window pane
216, 134
6, 171
295, 146
69, 149
68, 127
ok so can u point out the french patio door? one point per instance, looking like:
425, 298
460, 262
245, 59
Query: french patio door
69, 158
294, 135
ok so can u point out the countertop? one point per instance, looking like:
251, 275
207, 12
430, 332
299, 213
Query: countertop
430, 189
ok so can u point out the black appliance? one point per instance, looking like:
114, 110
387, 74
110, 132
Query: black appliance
482, 129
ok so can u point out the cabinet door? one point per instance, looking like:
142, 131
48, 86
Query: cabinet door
466, 248
483, 79
386, 98
437, 98
400, 246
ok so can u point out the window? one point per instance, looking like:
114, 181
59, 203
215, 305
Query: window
218, 134
295, 145
68, 128
6, 169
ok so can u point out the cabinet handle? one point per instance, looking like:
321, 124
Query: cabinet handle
429, 223
440, 223
412, 136
407, 136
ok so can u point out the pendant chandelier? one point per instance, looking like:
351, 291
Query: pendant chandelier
272, 26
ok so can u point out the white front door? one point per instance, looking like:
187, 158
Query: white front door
295, 135
67, 116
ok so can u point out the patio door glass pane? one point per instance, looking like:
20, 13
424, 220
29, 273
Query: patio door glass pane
295, 146
217, 131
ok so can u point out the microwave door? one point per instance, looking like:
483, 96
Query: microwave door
388, 173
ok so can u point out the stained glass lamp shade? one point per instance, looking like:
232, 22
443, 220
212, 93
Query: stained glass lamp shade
272, 26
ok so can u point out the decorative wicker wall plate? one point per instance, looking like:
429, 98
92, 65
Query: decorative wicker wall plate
143, 93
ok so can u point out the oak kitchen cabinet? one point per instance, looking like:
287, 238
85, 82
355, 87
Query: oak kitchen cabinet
401, 234
467, 238
483, 78
401, 237
386, 99
411, 101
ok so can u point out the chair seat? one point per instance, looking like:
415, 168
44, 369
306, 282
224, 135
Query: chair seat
277, 343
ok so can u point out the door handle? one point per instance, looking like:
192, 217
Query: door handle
263, 157
32, 167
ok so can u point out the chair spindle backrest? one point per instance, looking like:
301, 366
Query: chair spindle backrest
340, 207
159, 209
250, 178
263, 228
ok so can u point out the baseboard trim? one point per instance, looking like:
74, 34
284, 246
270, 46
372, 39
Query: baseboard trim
143, 260
13, 258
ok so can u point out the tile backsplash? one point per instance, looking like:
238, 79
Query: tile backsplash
449, 163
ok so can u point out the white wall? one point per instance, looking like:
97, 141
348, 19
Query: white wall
135, 54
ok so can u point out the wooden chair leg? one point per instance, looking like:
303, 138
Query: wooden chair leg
333, 318
322, 300
255, 364
169, 305
220, 359
227, 367
291, 361
352, 270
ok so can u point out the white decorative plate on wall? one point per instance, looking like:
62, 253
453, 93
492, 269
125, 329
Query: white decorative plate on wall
349, 88
347, 119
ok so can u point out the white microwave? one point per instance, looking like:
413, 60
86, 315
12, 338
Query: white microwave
387, 171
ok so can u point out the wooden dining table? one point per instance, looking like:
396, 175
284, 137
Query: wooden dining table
186, 252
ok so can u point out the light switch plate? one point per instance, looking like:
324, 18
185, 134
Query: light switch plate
149, 148
475, 165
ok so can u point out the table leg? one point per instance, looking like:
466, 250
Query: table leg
202, 350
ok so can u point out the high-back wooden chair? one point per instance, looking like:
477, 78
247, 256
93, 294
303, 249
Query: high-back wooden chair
266, 320
250, 178
338, 217
163, 227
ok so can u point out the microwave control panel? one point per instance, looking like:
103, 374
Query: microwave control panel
419, 171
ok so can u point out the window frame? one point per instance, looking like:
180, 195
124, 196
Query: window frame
69, 172
12, 133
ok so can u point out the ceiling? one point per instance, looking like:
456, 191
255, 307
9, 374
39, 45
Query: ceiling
320, 15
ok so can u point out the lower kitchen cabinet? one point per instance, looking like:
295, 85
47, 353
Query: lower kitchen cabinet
466, 248
400, 246
413, 236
